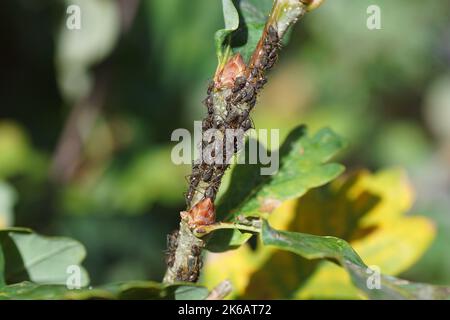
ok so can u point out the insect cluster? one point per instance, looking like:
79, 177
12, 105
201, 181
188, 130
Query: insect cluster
242, 85
194, 264
239, 85
191, 270
209, 175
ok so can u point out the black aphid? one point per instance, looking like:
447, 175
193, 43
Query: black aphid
172, 244
239, 83
207, 174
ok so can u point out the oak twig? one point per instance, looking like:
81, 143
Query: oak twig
230, 98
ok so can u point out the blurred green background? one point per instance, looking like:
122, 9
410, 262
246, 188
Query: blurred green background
86, 115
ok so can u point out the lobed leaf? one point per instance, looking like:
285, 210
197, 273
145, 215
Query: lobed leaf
338, 250
302, 167
244, 23
368, 210
28, 256
34, 267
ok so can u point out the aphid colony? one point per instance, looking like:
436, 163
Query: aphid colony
242, 84
194, 266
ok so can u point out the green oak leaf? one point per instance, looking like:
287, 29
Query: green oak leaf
35, 267
335, 249
253, 16
244, 23
27, 290
28, 256
302, 167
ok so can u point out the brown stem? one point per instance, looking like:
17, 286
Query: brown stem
230, 99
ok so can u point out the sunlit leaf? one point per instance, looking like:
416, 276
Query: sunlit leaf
393, 248
363, 208
303, 165
326, 247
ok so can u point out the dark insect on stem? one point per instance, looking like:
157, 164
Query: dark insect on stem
233, 116
196, 250
260, 83
189, 195
208, 102
207, 174
237, 98
194, 180
249, 93
210, 88
239, 83
255, 73
271, 63
172, 243
269, 54
211, 192
264, 61
216, 122
252, 102
244, 115
194, 177
191, 271
273, 54
247, 124
272, 35
194, 265
207, 123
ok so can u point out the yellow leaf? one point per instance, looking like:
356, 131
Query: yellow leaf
363, 208
396, 246
236, 266
394, 190
328, 282
393, 248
